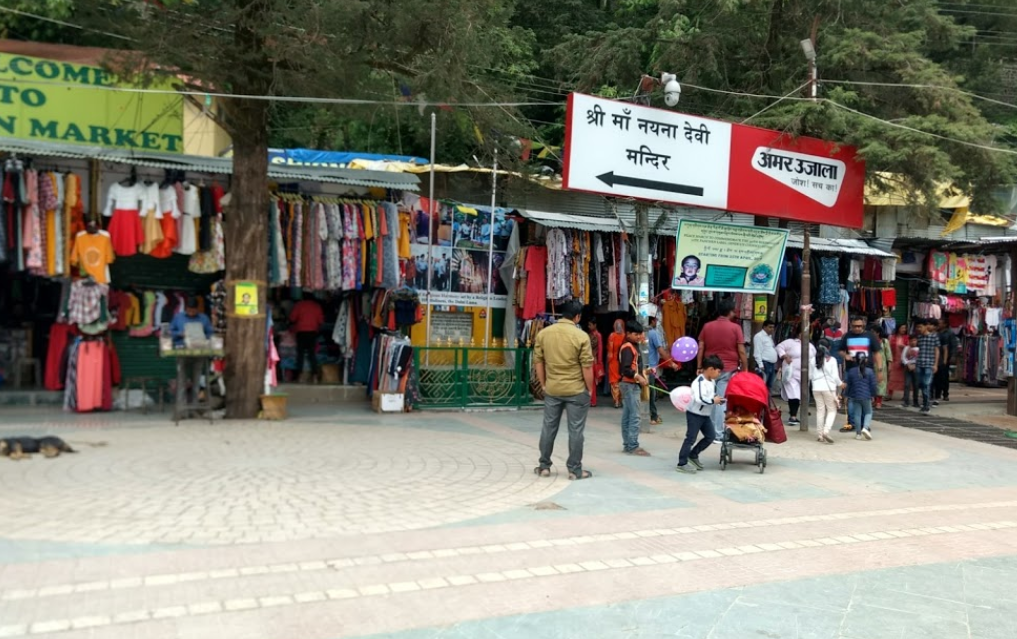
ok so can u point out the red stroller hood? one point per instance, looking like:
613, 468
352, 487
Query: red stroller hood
748, 391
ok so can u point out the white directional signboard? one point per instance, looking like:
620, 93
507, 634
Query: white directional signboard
627, 150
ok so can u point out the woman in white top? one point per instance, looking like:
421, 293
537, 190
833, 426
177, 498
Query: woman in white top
790, 352
824, 373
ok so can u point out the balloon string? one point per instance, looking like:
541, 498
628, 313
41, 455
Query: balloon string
659, 389
657, 377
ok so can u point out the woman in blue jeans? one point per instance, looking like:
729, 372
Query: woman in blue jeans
861, 388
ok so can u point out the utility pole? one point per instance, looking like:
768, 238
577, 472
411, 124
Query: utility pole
809, 47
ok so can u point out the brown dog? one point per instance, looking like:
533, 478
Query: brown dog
22, 447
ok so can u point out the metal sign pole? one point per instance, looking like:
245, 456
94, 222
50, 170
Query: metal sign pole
430, 235
488, 329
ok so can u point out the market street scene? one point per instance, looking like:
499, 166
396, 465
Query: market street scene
508, 318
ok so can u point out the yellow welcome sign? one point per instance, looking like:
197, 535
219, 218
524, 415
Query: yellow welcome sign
53, 101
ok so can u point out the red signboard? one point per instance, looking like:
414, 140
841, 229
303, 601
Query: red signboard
777, 187
626, 150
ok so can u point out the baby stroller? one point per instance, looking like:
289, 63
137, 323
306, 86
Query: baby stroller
747, 400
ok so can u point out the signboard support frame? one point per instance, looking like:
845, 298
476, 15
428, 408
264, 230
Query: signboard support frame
430, 235
488, 325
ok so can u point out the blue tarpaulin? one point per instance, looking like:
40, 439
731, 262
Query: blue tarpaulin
331, 159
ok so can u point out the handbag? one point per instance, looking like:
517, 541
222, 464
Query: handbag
775, 433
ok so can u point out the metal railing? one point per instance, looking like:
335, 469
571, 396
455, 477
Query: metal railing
458, 377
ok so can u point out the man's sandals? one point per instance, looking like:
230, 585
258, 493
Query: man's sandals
546, 472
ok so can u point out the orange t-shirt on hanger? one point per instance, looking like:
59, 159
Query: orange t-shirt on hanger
94, 252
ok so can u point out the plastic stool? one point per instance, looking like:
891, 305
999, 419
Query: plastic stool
142, 383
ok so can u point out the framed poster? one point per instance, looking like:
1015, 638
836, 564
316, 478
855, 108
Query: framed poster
728, 257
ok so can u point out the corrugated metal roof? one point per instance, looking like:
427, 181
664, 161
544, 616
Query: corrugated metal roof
223, 166
1012, 239
579, 222
824, 245
34, 147
567, 207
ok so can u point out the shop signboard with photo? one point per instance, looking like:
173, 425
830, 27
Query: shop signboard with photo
728, 257
462, 268
627, 150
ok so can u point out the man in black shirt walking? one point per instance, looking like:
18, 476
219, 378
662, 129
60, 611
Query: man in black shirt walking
947, 350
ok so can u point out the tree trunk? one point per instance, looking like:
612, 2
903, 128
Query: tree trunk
246, 233
246, 225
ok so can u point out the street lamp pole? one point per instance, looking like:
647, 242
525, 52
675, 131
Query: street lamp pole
809, 48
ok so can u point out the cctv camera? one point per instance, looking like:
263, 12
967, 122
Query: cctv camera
672, 92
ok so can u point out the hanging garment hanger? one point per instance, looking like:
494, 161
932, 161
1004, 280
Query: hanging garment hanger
132, 178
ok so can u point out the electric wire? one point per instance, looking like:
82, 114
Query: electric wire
63, 23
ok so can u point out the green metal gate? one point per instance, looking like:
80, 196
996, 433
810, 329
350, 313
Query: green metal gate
473, 377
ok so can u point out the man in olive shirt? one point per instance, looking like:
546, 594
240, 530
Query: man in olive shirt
563, 360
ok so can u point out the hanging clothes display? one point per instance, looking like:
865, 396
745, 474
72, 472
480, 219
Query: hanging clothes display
169, 216
61, 336
94, 252
93, 368
536, 282
213, 258
333, 246
124, 204
324, 243
190, 211
151, 218
87, 303
40, 215
32, 231
391, 360
829, 280
982, 359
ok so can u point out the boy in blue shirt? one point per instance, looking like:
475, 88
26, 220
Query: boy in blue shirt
190, 315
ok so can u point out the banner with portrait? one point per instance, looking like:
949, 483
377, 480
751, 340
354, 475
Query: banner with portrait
731, 258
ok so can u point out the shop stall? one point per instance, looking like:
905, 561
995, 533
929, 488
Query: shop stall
969, 287
100, 249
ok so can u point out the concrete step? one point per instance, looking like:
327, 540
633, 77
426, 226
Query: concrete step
303, 394
30, 397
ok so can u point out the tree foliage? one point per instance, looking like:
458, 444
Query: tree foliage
265, 52
19, 22
753, 46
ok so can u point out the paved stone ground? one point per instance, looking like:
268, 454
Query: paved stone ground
352, 524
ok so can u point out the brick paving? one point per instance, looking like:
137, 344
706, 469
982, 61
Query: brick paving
352, 524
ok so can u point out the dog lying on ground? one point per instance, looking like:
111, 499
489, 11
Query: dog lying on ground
22, 447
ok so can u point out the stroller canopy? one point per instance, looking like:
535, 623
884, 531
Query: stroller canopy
748, 391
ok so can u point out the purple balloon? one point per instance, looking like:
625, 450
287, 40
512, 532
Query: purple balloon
684, 349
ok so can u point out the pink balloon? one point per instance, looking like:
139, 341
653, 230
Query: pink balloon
681, 396
684, 349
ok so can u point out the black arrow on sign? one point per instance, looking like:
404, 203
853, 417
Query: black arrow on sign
611, 179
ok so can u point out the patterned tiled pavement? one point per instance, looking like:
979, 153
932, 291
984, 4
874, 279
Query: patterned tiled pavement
351, 524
